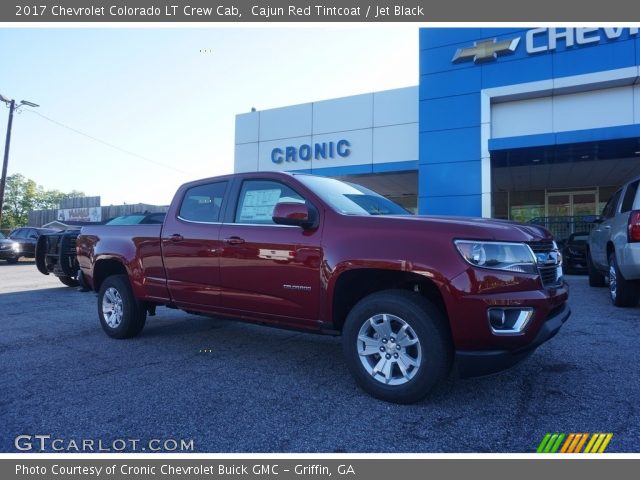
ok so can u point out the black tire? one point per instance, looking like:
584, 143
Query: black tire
13, 260
425, 323
130, 314
623, 293
83, 285
596, 278
68, 281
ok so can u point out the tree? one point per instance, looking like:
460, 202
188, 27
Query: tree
23, 195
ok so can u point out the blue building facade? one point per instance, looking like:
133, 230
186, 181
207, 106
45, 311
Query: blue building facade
507, 123
549, 111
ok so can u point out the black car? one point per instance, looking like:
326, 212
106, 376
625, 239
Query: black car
574, 253
21, 243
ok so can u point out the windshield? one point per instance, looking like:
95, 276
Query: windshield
126, 220
351, 198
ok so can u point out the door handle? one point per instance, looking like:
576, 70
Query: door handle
234, 241
176, 237
607, 227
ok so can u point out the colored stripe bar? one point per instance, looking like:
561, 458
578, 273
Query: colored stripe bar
556, 445
543, 443
605, 443
583, 440
599, 441
591, 442
567, 444
550, 443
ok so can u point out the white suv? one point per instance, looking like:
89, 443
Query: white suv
614, 246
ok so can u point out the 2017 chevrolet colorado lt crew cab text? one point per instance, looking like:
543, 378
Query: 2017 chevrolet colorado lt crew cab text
412, 296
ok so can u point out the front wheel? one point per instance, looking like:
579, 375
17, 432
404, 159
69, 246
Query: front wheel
121, 314
68, 281
397, 345
623, 293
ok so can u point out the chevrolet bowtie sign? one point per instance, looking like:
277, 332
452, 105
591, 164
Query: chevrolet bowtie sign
538, 40
486, 50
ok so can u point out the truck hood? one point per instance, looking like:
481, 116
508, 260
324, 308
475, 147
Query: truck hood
475, 228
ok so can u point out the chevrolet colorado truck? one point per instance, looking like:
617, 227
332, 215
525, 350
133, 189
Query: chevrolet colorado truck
412, 296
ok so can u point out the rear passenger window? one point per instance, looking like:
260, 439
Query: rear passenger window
629, 197
609, 209
258, 198
202, 203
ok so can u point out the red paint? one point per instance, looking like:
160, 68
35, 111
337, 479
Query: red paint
287, 275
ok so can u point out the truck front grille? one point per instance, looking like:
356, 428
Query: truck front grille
548, 262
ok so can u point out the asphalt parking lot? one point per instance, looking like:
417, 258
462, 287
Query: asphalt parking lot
233, 387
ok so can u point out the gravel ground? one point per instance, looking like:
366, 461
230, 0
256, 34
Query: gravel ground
233, 387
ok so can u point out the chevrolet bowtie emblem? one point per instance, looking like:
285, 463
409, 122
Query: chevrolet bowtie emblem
486, 50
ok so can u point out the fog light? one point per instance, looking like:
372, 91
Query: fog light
509, 321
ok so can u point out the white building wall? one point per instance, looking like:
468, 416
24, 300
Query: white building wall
606, 107
380, 127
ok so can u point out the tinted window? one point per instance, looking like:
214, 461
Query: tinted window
126, 220
19, 233
202, 203
154, 219
350, 198
258, 198
609, 209
629, 197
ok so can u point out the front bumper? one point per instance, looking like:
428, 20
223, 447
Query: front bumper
485, 362
8, 254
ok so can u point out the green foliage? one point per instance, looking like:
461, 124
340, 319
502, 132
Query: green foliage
22, 195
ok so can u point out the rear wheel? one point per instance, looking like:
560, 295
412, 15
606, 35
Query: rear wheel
596, 278
68, 281
397, 345
121, 314
623, 293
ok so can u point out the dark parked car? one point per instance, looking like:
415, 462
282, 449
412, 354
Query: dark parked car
574, 253
21, 243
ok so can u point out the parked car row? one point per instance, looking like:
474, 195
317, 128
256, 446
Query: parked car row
614, 246
21, 242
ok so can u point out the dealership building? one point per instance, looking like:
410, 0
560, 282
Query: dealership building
506, 123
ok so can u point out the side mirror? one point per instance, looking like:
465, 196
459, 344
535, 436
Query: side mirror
598, 219
292, 213
34, 237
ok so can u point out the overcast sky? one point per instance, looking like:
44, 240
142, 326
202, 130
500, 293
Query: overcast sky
171, 96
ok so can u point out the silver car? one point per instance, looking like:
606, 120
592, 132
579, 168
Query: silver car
614, 246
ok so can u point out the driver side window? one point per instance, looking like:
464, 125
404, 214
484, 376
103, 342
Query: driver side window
258, 198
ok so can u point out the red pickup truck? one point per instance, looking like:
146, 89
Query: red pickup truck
412, 296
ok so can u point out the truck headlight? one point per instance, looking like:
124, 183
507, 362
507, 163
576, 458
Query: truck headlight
511, 257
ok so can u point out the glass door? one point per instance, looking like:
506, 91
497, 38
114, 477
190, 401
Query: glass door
571, 204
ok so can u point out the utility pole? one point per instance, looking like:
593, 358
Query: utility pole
5, 162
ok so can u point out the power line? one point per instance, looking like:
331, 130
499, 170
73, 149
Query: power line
111, 145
